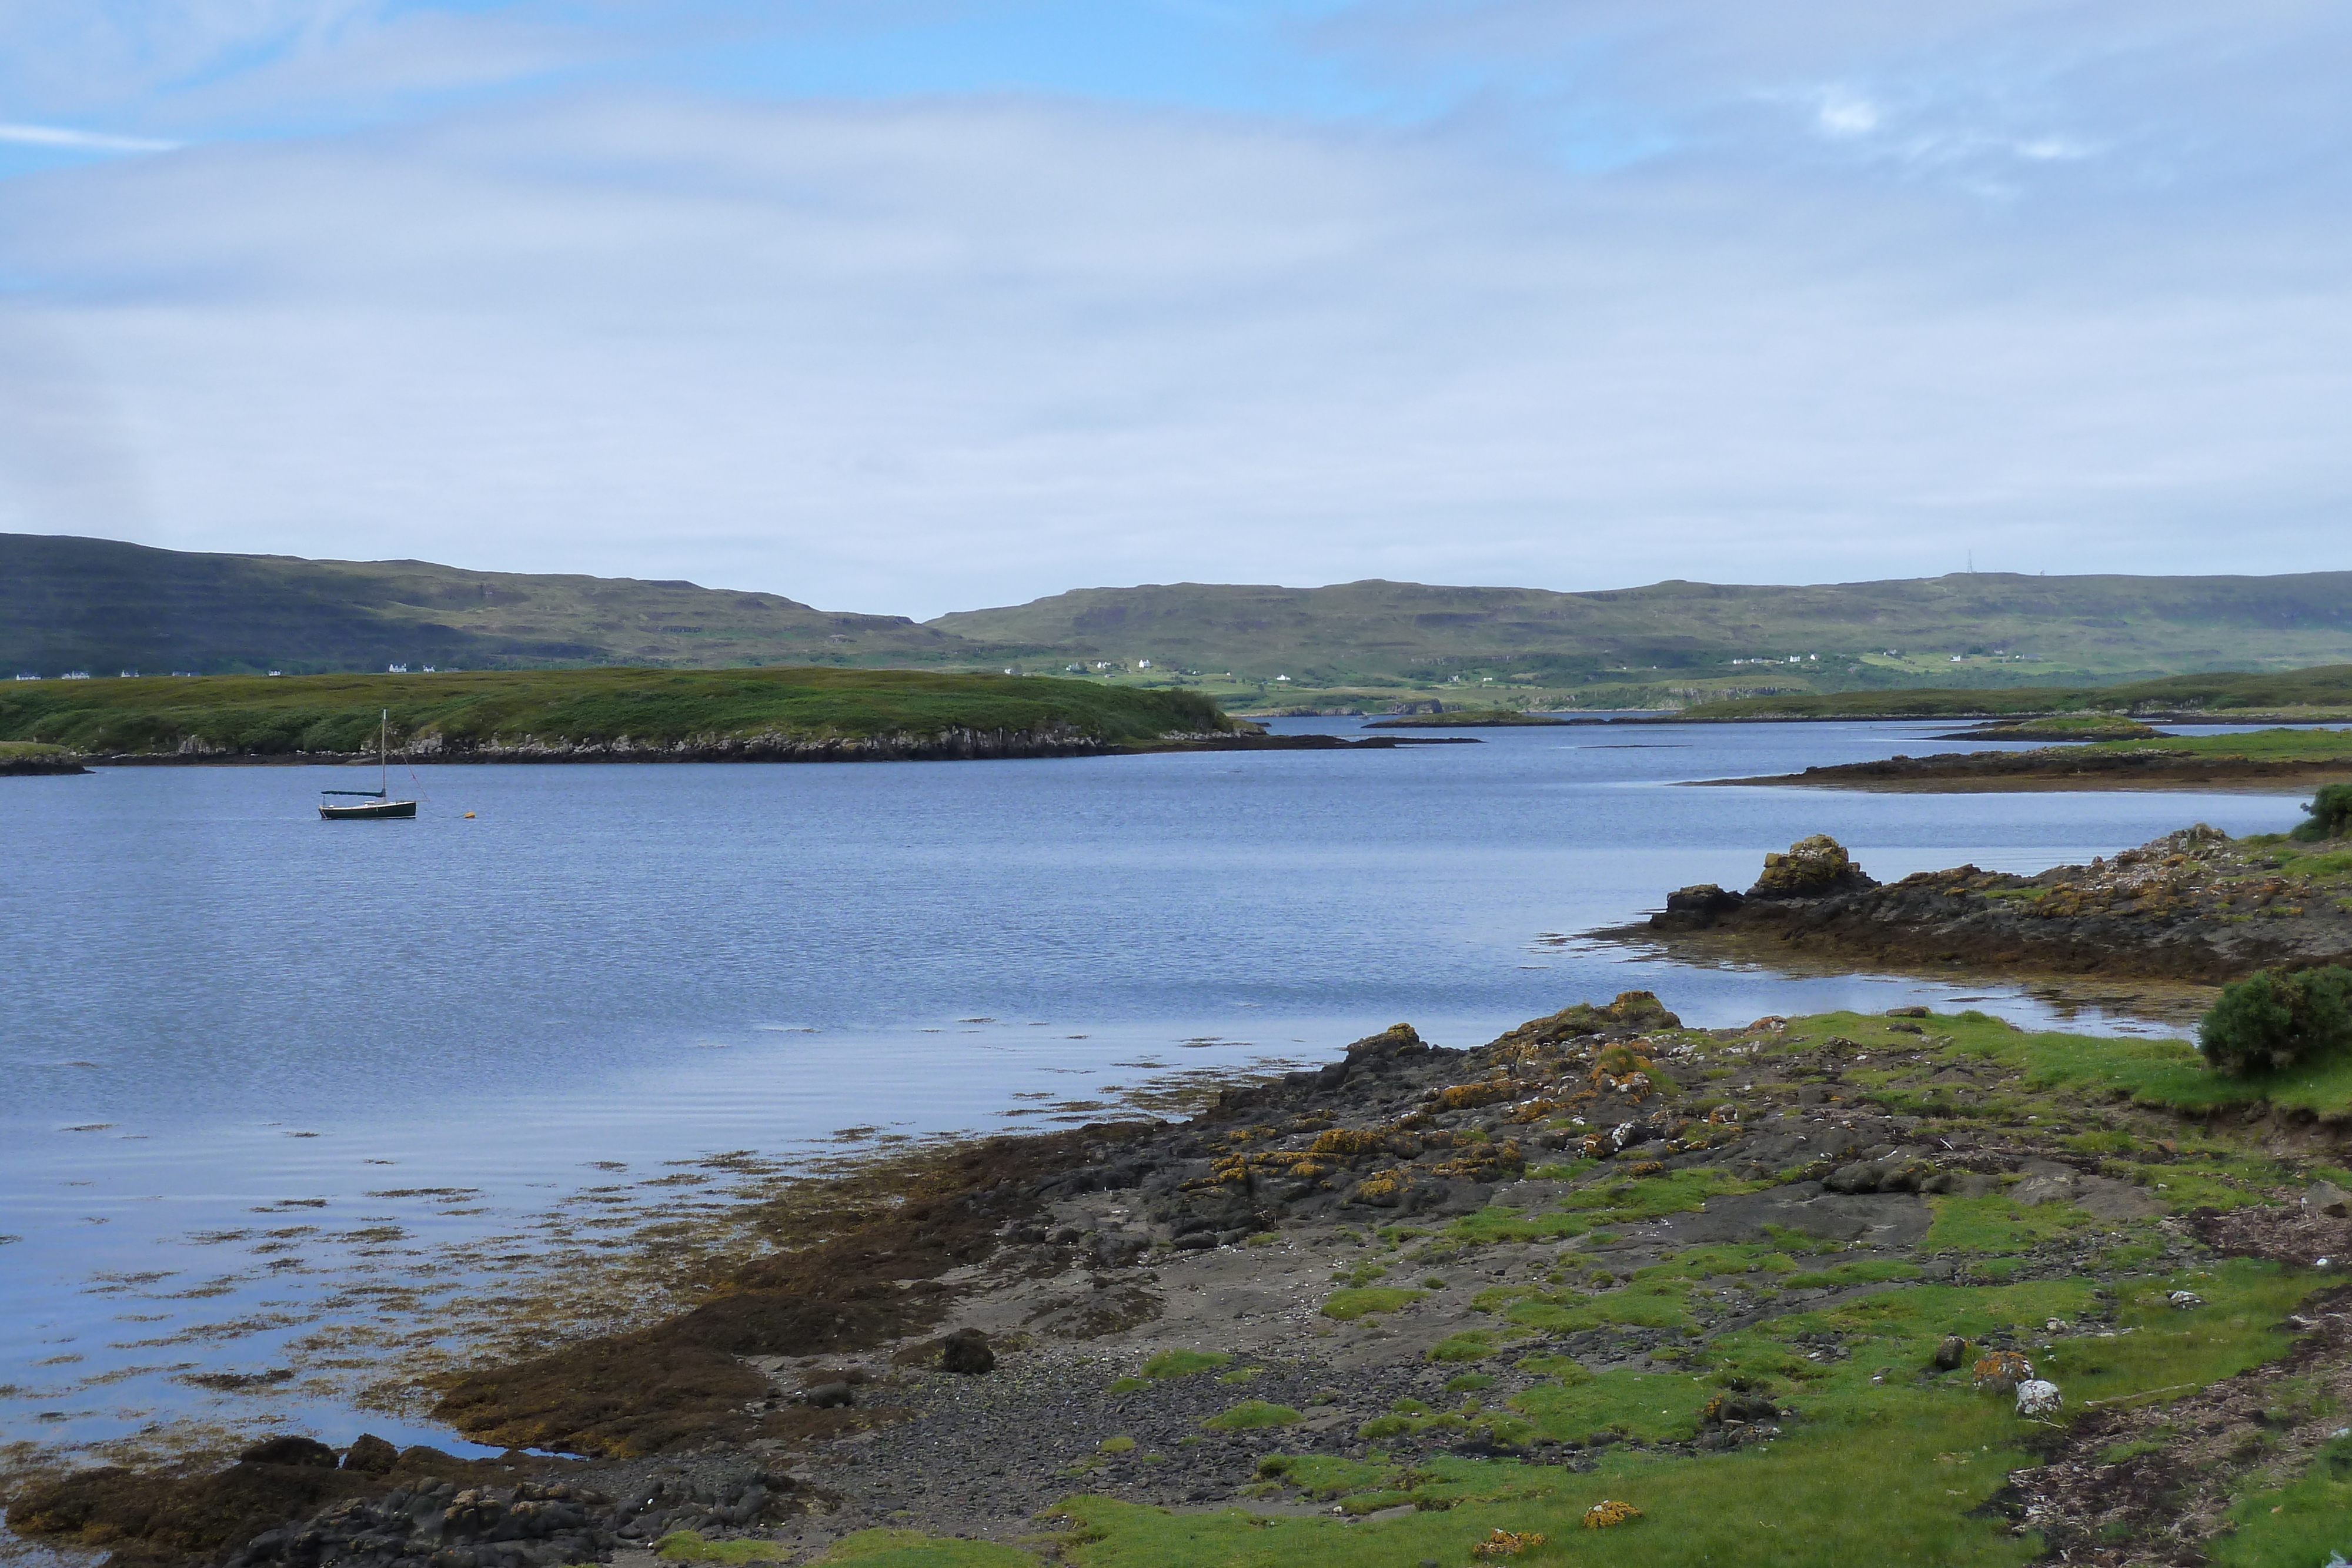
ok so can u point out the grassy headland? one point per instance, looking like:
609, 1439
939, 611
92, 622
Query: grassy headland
28, 756
2320, 692
2259, 758
454, 714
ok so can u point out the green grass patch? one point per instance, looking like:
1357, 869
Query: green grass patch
1359, 1301
1185, 1362
1995, 1223
1251, 1415
1119, 1445
1470, 1345
1866, 1271
2298, 1525
1646, 1303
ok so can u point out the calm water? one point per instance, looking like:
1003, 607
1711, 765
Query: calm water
226, 1018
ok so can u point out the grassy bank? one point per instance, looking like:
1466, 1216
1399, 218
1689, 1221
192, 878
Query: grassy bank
2323, 691
263, 715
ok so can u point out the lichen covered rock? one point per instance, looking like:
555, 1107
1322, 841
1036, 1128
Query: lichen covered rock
1812, 868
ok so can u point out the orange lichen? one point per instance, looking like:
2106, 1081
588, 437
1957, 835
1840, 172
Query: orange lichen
1508, 1542
1603, 1514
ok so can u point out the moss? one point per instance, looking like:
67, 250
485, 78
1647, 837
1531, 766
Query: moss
1471, 1344
1185, 1362
1251, 1415
1356, 1301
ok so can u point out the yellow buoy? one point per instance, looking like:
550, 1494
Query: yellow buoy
469, 816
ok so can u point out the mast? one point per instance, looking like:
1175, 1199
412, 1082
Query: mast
384, 755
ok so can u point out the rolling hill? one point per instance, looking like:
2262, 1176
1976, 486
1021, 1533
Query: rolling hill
100, 606
1978, 629
69, 603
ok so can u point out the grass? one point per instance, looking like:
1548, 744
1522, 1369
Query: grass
2317, 746
1879, 1453
689, 1546
1996, 1224
257, 716
2325, 686
2051, 1067
913, 1549
2300, 1523
32, 751
1185, 1362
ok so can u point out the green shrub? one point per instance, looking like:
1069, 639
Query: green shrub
2331, 813
2269, 1022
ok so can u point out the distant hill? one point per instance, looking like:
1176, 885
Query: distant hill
101, 606
2003, 629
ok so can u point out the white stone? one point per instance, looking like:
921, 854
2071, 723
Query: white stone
2036, 1398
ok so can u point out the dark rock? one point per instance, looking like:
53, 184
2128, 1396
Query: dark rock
1397, 1040
1951, 1353
833, 1396
967, 1351
1705, 899
371, 1453
290, 1450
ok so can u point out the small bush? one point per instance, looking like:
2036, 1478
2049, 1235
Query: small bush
2331, 814
2269, 1022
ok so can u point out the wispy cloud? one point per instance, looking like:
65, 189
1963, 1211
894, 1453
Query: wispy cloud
69, 139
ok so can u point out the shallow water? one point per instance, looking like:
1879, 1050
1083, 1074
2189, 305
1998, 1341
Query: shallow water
230, 1023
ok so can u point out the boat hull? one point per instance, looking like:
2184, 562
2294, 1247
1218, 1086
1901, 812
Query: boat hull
379, 810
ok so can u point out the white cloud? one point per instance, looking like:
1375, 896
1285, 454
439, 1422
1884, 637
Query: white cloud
920, 357
80, 141
1842, 113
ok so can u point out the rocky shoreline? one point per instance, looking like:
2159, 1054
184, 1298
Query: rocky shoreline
1407, 1295
2057, 768
2194, 905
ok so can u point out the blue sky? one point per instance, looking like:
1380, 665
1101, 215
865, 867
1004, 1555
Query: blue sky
912, 305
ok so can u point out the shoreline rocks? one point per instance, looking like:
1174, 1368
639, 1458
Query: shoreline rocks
2193, 905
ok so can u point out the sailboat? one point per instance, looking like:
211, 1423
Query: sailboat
381, 805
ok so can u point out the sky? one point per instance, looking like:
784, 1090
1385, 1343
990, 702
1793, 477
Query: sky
911, 306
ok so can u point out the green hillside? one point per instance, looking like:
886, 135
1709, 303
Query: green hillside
2326, 690
101, 606
98, 606
1677, 642
259, 716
